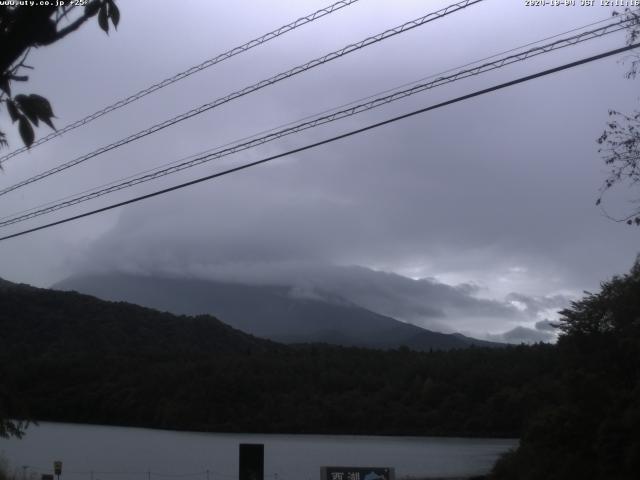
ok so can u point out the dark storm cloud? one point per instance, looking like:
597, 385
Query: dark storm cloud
286, 254
546, 325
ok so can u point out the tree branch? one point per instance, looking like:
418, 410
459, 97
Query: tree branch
72, 27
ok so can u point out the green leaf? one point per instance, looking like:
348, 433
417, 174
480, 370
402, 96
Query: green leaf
42, 106
27, 107
103, 19
42, 109
13, 110
114, 13
36, 107
49, 122
26, 131
4, 85
91, 8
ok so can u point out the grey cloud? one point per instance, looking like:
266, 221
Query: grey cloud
535, 305
521, 334
546, 326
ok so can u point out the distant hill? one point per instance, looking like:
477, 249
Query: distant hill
279, 313
36, 319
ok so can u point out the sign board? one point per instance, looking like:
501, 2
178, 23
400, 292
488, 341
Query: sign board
57, 467
46, 476
357, 473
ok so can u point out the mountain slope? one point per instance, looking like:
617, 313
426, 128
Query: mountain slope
35, 319
275, 312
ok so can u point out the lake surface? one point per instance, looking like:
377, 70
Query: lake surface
92, 452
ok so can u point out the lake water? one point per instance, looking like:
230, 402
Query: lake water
91, 452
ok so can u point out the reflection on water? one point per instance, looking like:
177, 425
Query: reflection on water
91, 452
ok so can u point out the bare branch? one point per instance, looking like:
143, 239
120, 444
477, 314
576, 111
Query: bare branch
72, 27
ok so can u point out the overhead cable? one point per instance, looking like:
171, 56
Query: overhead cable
324, 119
252, 88
329, 140
281, 126
179, 76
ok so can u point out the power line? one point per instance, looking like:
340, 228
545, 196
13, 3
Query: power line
334, 109
360, 108
332, 139
252, 88
353, 102
190, 71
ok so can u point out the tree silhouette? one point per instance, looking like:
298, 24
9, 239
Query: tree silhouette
10, 428
620, 141
24, 27
615, 310
591, 429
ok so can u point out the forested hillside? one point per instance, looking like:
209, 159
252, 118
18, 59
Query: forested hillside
72, 357
590, 429
38, 321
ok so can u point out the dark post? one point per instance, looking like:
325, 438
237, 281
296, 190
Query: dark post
251, 461
57, 468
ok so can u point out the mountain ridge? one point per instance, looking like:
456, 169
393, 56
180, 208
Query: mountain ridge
45, 319
280, 313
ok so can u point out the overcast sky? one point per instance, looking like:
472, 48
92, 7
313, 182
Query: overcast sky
490, 201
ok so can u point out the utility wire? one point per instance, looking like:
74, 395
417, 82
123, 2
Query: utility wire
257, 134
332, 139
252, 88
179, 76
360, 108
334, 109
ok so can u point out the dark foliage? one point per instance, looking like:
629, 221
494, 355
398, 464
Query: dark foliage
593, 431
620, 141
23, 27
